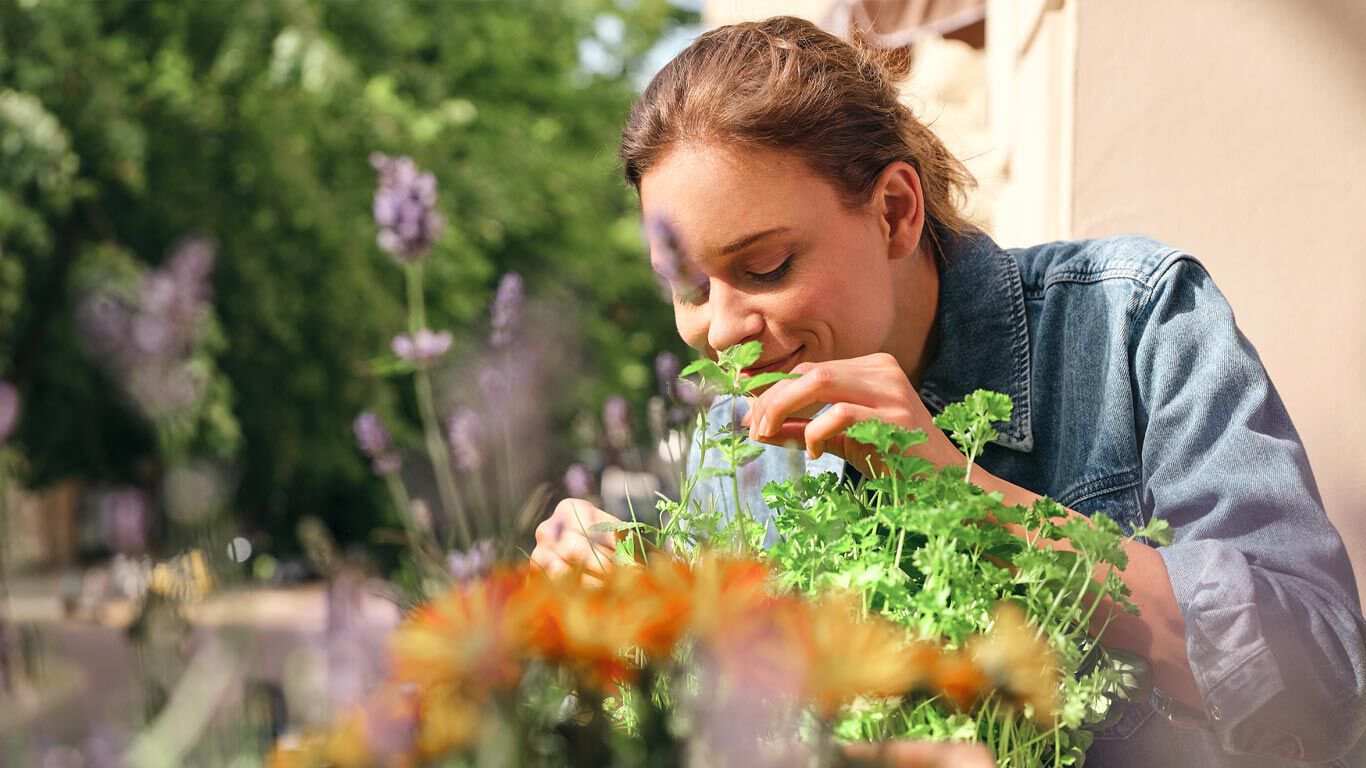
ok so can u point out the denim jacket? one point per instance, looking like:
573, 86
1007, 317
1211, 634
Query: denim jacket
1137, 396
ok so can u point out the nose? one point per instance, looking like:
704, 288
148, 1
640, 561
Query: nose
733, 318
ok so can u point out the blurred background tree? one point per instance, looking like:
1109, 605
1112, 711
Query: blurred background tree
126, 124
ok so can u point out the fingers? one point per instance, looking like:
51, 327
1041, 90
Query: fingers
827, 429
566, 542
875, 381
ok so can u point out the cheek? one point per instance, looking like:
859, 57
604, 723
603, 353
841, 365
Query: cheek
853, 310
691, 327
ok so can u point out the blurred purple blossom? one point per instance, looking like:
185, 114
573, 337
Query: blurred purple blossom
9, 409
670, 260
616, 418
421, 514
354, 644
124, 518
374, 442
422, 347
657, 413
579, 481
493, 382
688, 393
146, 339
465, 433
403, 208
666, 371
507, 309
472, 563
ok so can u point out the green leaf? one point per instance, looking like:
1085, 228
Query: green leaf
743, 355
706, 473
1157, 531
748, 452
764, 379
389, 365
696, 366
613, 526
711, 373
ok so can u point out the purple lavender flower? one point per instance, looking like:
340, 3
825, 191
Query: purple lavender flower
404, 208
493, 382
670, 261
465, 433
146, 338
578, 481
9, 409
473, 563
507, 309
657, 412
422, 347
616, 417
374, 442
123, 518
688, 393
667, 368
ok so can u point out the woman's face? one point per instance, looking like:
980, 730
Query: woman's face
774, 256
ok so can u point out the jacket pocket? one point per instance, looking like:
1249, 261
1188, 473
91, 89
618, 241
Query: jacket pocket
1116, 496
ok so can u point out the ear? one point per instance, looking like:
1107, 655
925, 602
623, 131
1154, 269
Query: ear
899, 203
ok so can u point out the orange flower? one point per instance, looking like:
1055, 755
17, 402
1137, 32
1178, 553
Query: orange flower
662, 591
474, 635
343, 745
1019, 662
724, 592
294, 753
959, 680
852, 658
448, 721
587, 627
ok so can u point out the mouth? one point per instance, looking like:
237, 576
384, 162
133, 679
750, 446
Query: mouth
781, 364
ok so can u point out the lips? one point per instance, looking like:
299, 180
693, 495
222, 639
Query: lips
776, 365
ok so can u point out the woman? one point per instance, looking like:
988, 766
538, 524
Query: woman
822, 219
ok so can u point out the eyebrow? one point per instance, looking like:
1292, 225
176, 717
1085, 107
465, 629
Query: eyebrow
748, 240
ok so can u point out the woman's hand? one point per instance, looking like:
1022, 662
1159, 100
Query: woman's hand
856, 389
565, 541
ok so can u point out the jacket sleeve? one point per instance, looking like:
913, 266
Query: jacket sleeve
1274, 630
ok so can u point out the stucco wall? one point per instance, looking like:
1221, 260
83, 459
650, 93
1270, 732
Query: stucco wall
1236, 130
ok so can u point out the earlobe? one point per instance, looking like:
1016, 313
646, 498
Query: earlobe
903, 209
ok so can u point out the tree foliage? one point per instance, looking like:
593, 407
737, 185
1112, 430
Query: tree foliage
126, 124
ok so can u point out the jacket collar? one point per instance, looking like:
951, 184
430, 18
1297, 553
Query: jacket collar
983, 333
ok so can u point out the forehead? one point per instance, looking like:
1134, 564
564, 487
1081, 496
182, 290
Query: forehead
714, 195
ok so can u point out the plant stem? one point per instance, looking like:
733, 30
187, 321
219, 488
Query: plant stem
440, 458
417, 308
437, 453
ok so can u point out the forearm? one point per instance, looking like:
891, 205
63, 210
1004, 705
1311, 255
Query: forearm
1158, 632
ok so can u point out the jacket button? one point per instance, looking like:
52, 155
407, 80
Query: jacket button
1215, 712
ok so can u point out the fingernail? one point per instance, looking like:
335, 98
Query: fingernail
744, 420
763, 427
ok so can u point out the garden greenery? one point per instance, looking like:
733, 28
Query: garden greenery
924, 547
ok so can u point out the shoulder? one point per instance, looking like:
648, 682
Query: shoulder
1136, 260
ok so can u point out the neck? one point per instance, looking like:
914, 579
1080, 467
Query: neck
914, 339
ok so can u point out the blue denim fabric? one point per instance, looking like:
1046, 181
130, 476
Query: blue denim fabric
1137, 396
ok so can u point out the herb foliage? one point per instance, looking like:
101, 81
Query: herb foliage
923, 546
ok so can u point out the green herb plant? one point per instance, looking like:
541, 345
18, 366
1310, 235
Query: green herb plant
923, 546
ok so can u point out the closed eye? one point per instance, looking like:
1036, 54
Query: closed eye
773, 275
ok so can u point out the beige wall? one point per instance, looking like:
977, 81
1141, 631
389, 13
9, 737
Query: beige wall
1234, 129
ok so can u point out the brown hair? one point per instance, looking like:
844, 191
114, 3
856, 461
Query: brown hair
785, 84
